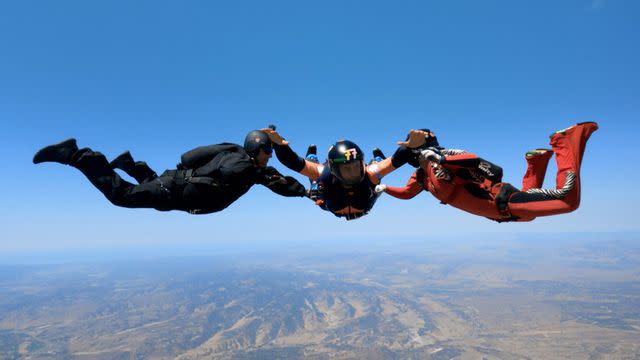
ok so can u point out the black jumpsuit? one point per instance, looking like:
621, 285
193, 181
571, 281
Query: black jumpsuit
209, 179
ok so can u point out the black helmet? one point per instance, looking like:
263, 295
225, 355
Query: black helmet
346, 162
255, 141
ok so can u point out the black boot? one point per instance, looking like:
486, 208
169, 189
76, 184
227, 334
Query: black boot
61, 152
312, 153
378, 154
123, 161
142, 172
138, 170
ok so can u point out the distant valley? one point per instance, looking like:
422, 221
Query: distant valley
495, 301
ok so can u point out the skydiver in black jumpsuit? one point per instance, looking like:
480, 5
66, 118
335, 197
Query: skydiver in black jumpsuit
208, 179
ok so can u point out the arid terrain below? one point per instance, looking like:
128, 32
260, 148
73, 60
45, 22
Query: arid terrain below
485, 300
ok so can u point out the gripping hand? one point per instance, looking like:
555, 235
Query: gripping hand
380, 188
431, 154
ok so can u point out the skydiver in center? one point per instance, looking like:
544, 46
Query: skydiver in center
208, 179
345, 185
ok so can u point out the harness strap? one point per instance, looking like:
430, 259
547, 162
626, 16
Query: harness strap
183, 177
502, 202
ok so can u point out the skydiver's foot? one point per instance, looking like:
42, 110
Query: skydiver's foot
314, 192
575, 136
588, 126
123, 161
312, 150
312, 153
142, 172
538, 153
537, 163
61, 152
378, 155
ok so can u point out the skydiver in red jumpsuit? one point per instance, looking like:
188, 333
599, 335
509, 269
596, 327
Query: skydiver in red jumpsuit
472, 184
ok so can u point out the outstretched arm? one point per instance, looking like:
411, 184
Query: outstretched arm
296, 163
282, 185
402, 155
409, 191
290, 159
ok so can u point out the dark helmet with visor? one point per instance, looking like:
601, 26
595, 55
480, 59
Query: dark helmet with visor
346, 162
255, 141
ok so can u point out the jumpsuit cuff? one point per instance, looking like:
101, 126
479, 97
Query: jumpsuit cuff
402, 155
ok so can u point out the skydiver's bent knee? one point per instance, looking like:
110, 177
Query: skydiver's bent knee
524, 205
155, 194
543, 202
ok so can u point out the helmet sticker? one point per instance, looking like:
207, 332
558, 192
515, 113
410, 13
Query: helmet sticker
348, 153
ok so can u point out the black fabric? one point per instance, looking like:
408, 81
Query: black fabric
61, 152
279, 184
289, 158
502, 203
420, 176
487, 169
502, 200
140, 171
227, 166
465, 174
477, 191
211, 187
403, 155
336, 197
203, 154
235, 174
523, 197
154, 194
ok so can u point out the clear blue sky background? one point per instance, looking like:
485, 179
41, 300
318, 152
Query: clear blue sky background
161, 77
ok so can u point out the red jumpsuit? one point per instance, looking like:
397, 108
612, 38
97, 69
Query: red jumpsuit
471, 184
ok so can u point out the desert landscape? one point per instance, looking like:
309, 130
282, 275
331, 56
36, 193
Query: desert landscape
489, 300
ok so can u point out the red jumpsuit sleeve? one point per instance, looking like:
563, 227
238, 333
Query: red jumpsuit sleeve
410, 190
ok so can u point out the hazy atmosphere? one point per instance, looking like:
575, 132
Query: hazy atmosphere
275, 277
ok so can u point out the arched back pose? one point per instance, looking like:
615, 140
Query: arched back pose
345, 185
472, 184
208, 179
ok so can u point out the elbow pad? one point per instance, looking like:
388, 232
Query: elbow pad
289, 158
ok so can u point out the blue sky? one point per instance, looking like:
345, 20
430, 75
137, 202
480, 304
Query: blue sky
159, 78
